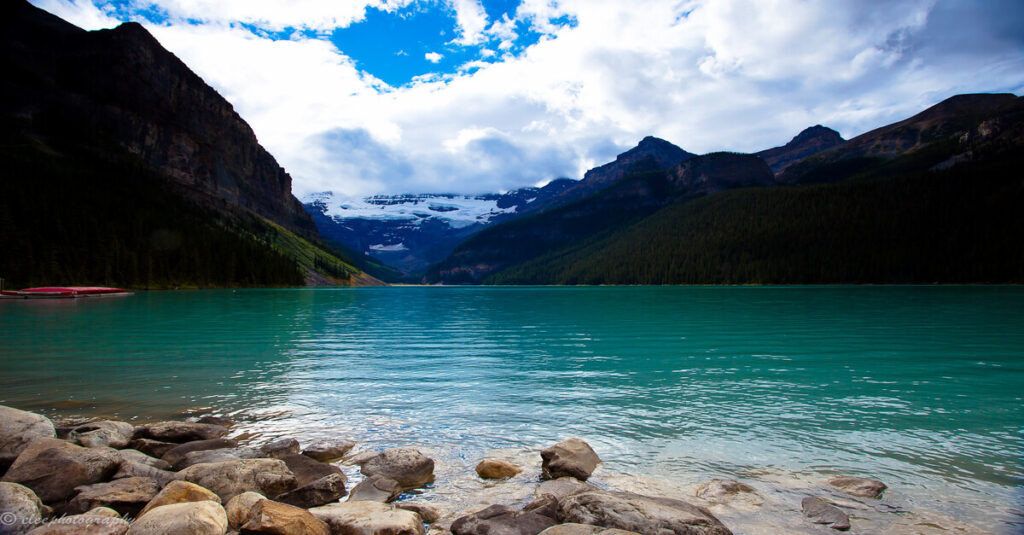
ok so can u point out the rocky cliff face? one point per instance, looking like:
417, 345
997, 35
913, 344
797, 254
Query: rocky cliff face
720, 171
121, 86
807, 143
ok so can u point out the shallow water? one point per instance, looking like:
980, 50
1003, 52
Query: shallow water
921, 387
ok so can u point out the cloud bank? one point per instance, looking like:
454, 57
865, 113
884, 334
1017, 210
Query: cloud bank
705, 75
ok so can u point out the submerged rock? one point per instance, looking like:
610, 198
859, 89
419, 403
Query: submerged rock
407, 466
822, 512
376, 489
503, 520
229, 479
52, 468
322, 491
18, 429
328, 450
642, 514
179, 492
193, 518
572, 457
859, 486
562, 487
495, 469
109, 433
725, 490
180, 432
267, 516
369, 518
126, 496
20, 508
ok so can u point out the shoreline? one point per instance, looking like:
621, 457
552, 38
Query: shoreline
456, 491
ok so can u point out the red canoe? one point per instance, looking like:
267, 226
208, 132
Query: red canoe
63, 292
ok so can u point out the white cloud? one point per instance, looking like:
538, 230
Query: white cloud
433, 57
471, 19
731, 75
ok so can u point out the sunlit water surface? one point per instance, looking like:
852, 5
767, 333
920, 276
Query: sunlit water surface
920, 387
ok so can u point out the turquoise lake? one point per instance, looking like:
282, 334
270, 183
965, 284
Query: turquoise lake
920, 387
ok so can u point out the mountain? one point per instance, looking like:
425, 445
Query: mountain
413, 231
807, 143
84, 111
935, 198
643, 190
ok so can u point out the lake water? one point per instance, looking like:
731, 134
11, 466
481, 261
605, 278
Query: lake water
920, 387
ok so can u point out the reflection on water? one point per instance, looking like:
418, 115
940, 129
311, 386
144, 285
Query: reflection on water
918, 386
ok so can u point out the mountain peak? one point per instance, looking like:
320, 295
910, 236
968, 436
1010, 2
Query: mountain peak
810, 141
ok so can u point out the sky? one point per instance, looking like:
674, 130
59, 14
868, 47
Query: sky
471, 96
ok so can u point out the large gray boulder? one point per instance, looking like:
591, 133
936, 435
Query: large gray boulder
572, 457
308, 470
180, 432
502, 520
369, 518
126, 496
269, 477
83, 525
376, 488
277, 449
192, 518
407, 466
642, 514
328, 450
322, 491
177, 453
52, 468
20, 509
820, 511
103, 433
17, 430
859, 486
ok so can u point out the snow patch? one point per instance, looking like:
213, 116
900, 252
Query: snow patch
458, 210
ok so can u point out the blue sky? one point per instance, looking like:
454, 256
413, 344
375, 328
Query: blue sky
406, 96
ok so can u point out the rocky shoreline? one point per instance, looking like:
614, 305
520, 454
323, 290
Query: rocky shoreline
111, 477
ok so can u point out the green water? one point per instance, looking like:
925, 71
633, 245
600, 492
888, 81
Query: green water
918, 386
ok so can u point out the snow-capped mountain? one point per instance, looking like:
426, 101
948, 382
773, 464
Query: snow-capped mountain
413, 231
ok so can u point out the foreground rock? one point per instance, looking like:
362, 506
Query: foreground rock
407, 466
131, 469
17, 430
502, 520
271, 517
217, 456
322, 491
642, 514
136, 456
177, 452
280, 448
822, 512
584, 529
20, 508
52, 468
153, 448
495, 469
858, 486
126, 496
328, 450
572, 457
104, 433
239, 507
193, 518
83, 525
376, 489
427, 513
269, 477
180, 432
179, 492
369, 518
307, 470
562, 487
